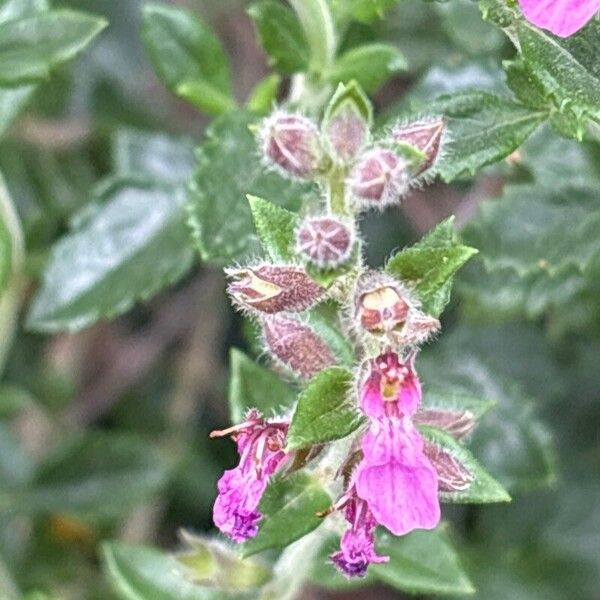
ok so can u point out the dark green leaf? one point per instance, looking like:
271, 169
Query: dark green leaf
289, 506
34, 45
187, 57
281, 35
370, 65
228, 169
254, 386
326, 410
132, 246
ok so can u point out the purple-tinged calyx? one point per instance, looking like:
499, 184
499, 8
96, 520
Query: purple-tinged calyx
453, 476
273, 288
458, 423
291, 143
260, 443
296, 345
346, 131
325, 242
379, 177
357, 546
425, 136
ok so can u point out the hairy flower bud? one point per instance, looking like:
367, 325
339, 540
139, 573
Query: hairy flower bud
453, 476
291, 143
426, 136
273, 288
458, 423
346, 131
324, 241
380, 177
296, 346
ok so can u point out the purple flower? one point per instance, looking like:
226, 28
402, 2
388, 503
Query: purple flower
260, 445
395, 477
561, 17
357, 546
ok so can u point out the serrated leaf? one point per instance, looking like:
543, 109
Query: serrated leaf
290, 506
96, 476
254, 386
371, 65
430, 265
143, 573
131, 247
187, 57
281, 35
483, 489
30, 47
275, 227
228, 169
325, 411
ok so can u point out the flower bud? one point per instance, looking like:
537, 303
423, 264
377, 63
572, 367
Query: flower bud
426, 136
380, 177
296, 346
346, 131
326, 242
291, 143
458, 423
273, 288
453, 476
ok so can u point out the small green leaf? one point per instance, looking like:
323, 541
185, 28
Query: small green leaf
484, 489
290, 506
275, 227
229, 168
430, 265
326, 410
370, 65
525, 85
353, 94
32, 46
281, 35
263, 96
254, 386
133, 245
187, 57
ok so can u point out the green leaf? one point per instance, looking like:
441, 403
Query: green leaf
187, 57
16, 9
142, 573
6, 259
254, 386
422, 562
131, 247
281, 35
12, 101
326, 410
289, 506
356, 97
482, 129
34, 45
365, 11
324, 320
228, 169
483, 489
525, 85
263, 96
430, 265
275, 227
370, 65
96, 476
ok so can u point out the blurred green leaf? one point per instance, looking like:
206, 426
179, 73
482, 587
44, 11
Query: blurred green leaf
365, 11
5, 256
228, 169
254, 386
289, 506
263, 96
281, 35
430, 265
326, 410
32, 46
371, 65
15, 9
187, 57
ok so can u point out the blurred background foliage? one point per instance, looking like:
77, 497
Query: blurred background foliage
103, 433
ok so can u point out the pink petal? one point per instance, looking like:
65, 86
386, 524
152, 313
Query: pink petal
561, 17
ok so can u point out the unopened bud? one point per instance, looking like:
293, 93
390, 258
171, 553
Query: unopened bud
346, 132
380, 177
326, 242
458, 423
296, 346
273, 288
426, 136
453, 476
291, 143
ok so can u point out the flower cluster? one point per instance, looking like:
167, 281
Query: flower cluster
397, 475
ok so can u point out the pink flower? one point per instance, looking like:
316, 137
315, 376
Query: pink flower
395, 477
561, 17
260, 444
391, 387
357, 547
